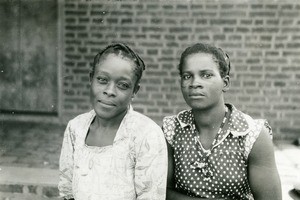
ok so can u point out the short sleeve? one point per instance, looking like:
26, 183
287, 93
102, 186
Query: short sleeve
259, 125
169, 129
151, 155
66, 165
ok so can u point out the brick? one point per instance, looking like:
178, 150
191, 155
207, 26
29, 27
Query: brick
172, 44
153, 110
202, 21
170, 21
242, 29
11, 188
272, 53
152, 52
98, 20
97, 6
196, 6
75, 42
157, 96
244, 99
82, 35
82, 49
75, 100
219, 37
266, 38
82, 6
290, 91
293, 45
204, 37
290, 69
289, 130
70, 20
271, 6
180, 29
70, 5
232, 14
265, 30
121, 13
126, 36
50, 192
290, 30
203, 14
154, 81
249, 83
156, 21
258, 22
126, 6
75, 13
169, 37
290, 53
126, 21
72, 56
70, 49
112, 20
234, 37
155, 36
293, 14
223, 22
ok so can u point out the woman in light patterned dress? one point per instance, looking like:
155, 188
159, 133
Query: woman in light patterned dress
215, 150
113, 152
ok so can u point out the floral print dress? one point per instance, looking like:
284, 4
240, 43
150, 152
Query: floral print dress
125, 170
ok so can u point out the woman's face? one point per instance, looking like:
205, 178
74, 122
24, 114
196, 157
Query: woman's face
201, 83
112, 86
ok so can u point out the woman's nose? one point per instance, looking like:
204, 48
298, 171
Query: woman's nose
110, 90
196, 82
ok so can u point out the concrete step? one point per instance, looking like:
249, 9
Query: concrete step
18, 183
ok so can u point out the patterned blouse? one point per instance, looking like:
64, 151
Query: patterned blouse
220, 172
127, 169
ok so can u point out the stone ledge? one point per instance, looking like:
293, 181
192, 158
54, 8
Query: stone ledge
28, 176
28, 183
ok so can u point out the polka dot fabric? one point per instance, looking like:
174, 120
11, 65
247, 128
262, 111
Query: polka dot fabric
220, 172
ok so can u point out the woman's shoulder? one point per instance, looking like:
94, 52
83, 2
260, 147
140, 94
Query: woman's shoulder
171, 122
143, 123
82, 119
251, 128
243, 124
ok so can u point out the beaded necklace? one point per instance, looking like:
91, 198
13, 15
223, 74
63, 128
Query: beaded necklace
202, 163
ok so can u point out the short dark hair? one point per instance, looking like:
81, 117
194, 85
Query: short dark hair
122, 50
221, 58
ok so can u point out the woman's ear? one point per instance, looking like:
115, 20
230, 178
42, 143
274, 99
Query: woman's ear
136, 89
91, 77
226, 81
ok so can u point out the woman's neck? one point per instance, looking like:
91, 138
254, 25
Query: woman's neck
210, 118
109, 123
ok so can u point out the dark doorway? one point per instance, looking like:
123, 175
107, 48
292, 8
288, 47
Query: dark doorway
28, 56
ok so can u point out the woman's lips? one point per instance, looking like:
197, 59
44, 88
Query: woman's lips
106, 103
196, 95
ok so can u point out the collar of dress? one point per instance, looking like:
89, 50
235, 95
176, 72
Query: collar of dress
238, 124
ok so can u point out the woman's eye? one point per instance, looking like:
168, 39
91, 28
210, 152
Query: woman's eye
207, 75
186, 76
102, 80
123, 86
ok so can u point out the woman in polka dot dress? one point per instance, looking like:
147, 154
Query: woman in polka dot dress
215, 150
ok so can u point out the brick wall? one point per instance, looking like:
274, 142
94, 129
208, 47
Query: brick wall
261, 37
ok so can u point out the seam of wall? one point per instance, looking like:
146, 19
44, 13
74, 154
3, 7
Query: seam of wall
60, 53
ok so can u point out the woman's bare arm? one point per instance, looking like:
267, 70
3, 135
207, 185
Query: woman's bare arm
263, 175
